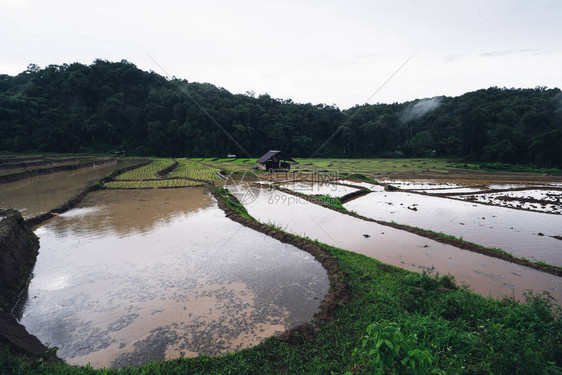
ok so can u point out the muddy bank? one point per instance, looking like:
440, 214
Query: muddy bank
351, 196
42, 171
339, 288
18, 251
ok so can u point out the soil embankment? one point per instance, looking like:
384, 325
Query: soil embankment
18, 252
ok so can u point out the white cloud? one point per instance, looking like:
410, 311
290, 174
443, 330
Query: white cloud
314, 51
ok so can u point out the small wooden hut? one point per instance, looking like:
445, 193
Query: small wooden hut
275, 160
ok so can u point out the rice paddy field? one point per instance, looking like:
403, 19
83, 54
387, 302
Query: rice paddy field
201, 281
166, 173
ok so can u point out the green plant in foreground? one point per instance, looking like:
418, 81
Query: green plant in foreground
386, 347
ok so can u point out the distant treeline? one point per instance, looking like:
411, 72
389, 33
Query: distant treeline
107, 106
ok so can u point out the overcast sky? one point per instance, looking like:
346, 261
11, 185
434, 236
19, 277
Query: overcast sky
332, 52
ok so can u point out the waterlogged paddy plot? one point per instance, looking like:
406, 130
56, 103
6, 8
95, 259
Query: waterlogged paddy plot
483, 274
522, 233
36, 195
132, 276
534, 200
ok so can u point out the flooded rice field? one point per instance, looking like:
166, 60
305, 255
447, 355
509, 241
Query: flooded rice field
522, 233
36, 195
312, 188
482, 274
549, 201
132, 276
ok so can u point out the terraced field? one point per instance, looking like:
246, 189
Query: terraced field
191, 169
187, 173
151, 184
229, 165
147, 172
373, 166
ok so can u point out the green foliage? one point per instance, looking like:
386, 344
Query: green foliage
386, 348
107, 106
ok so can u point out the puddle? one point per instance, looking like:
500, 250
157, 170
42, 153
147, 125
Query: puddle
483, 274
311, 188
130, 277
36, 195
512, 230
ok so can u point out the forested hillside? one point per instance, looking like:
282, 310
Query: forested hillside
107, 106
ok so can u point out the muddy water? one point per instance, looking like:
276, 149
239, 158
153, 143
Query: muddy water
525, 234
483, 274
33, 196
130, 277
550, 200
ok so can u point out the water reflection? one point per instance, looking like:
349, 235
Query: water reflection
483, 274
523, 233
135, 276
36, 195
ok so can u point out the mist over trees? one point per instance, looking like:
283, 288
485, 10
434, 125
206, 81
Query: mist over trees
107, 106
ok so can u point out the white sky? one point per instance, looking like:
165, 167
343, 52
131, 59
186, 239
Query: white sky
333, 52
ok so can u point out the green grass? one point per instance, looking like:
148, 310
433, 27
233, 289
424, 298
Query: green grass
230, 166
191, 169
183, 175
233, 203
152, 184
147, 172
506, 168
369, 167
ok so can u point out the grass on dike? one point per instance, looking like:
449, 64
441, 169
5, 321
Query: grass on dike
396, 322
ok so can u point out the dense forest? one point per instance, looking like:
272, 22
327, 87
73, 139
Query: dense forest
107, 106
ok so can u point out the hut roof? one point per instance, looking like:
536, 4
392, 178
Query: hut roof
275, 156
